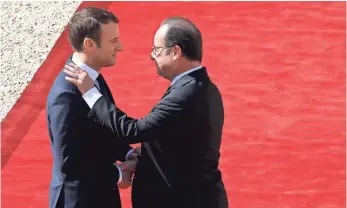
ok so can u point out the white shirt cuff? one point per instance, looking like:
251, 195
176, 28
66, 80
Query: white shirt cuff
128, 154
91, 96
120, 175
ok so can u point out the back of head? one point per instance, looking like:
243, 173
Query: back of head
87, 24
186, 35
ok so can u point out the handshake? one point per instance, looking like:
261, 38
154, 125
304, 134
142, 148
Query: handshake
128, 168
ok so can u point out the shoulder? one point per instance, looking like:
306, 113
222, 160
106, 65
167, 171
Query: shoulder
63, 93
186, 93
61, 86
189, 89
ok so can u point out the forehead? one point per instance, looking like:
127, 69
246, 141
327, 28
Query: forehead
159, 37
110, 30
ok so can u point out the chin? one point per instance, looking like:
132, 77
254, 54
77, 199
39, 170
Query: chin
111, 63
160, 73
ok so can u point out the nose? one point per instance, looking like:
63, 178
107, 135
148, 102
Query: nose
119, 47
151, 57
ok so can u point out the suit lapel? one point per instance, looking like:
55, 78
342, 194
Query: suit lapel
167, 92
154, 160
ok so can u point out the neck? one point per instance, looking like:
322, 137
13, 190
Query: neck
89, 61
185, 67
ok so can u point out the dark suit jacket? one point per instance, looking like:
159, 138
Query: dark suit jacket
184, 131
83, 173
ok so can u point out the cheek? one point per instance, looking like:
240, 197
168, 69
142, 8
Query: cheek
160, 62
107, 48
164, 61
106, 52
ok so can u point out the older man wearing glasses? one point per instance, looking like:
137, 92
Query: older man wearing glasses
181, 136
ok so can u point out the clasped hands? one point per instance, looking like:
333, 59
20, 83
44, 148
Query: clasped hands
128, 168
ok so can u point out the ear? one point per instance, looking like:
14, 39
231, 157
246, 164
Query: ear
176, 52
89, 44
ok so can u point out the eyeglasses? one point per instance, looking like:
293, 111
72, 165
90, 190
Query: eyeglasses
155, 50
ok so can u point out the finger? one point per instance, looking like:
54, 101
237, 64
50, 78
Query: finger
70, 73
69, 68
78, 71
72, 80
74, 66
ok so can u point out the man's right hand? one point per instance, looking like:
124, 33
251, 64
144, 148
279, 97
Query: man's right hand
129, 165
126, 179
128, 168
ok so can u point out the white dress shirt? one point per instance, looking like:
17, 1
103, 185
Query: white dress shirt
93, 95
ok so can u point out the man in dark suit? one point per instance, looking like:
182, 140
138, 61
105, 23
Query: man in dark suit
84, 174
181, 136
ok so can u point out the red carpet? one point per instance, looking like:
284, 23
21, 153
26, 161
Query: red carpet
281, 70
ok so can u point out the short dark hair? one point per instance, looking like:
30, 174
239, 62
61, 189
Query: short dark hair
186, 35
87, 24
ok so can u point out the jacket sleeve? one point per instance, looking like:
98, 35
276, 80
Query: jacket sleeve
155, 125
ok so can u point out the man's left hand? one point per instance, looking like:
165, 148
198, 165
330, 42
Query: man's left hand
78, 77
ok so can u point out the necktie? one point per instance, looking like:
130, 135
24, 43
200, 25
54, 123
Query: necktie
101, 85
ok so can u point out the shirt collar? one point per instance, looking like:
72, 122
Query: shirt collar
91, 72
184, 73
